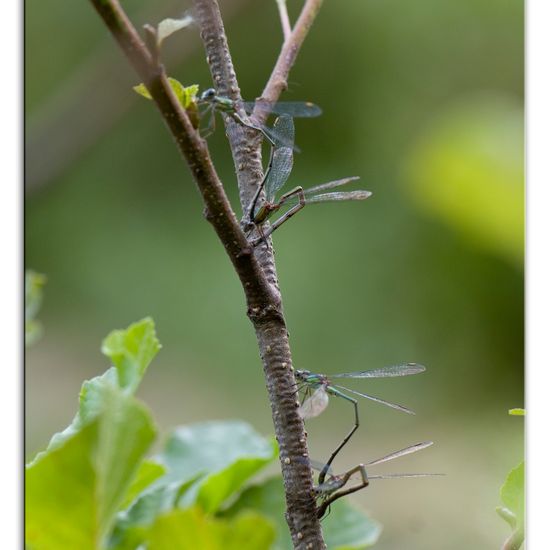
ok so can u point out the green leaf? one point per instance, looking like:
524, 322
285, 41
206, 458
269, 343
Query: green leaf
192, 529
74, 490
34, 282
142, 90
205, 464
345, 528
131, 350
187, 95
77, 485
467, 169
516, 412
349, 528
512, 495
169, 26
249, 531
217, 488
178, 88
227, 453
91, 403
212, 446
148, 472
190, 96
92, 395
131, 526
189, 101
512, 492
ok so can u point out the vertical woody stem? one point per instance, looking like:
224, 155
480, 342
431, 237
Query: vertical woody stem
269, 323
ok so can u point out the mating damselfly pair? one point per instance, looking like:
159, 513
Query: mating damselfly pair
317, 388
282, 139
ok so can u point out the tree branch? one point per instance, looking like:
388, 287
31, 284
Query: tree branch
285, 21
255, 268
259, 293
272, 334
277, 82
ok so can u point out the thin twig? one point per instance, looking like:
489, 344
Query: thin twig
277, 82
285, 21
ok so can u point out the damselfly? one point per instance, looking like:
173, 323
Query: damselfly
276, 175
328, 491
294, 109
318, 387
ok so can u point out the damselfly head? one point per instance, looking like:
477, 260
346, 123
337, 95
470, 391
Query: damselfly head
208, 95
302, 374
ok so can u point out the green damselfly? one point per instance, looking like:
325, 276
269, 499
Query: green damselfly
318, 387
277, 173
294, 109
329, 490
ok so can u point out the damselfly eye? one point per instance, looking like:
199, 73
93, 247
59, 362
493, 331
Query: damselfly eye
208, 94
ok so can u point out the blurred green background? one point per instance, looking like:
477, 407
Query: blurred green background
423, 101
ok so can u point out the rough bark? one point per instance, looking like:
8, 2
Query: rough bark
254, 266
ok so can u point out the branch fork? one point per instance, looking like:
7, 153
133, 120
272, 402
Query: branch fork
254, 266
